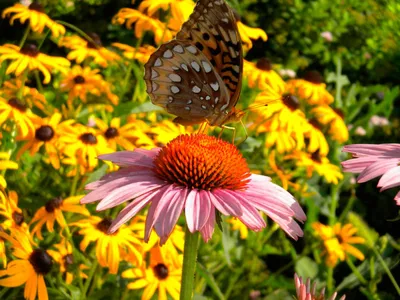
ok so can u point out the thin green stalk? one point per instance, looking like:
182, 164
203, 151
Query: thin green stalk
81, 32
38, 82
329, 281
26, 33
347, 208
334, 202
387, 270
20, 92
3, 292
89, 279
356, 272
189, 264
74, 182
338, 96
44, 38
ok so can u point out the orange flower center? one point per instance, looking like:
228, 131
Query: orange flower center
264, 64
313, 77
202, 162
161, 271
44, 133
53, 204
30, 50
36, 7
292, 102
41, 261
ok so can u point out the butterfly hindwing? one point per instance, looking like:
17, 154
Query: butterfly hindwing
181, 79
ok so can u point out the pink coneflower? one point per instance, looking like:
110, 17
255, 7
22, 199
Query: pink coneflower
375, 160
197, 174
305, 291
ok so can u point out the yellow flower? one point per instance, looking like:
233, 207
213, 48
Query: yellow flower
110, 248
163, 274
79, 82
14, 218
316, 138
63, 255
236, 224
46, 133
279, 171
29, 58
316, 162
334, 117
6, 164
83, 144
53, 211
29, 268
166, 130
127, 136
262, 76
143, 23
15, 110
311, 88
248, 33
338, 241
83, 49
142, 53
31, 96
38, 20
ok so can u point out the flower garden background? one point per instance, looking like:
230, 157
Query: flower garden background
318, 77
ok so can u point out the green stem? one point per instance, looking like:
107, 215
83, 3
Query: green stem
74, 182
189, 264
348, 207
38, 82
356, 272
81, 32
3, 292
387, 270
338, 97
44, 38
329, 281
334, 202
26, 33
89, 279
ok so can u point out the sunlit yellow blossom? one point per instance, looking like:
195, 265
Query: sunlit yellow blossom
261, 75
316, 138
248, 34
29, 58
80, 82
64, 257
143, 23
84, 49
37, 17
162, 275
142, 53
166, 130
311, 88
15, 110
14, 218
24, 269
46, 133
53, 211
110, 248
236, 224
338, 242
83, 144
334, 117
316, 162
6, 164
31, 96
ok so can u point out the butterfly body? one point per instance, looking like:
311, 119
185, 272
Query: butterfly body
198, 75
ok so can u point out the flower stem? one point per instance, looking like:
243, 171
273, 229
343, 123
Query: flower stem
189, 264
26, 33
356, 272
387, 270
74, 183
334, 202
89, 279
329, 280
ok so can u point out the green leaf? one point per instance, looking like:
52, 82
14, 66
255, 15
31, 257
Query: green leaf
306, 267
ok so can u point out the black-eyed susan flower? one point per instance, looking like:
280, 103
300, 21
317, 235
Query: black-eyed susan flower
29, 58
141, 53
335, 119
318, 163
143, 23
261, 75
45, 134
38, 20
166, 131
236, 225
29, 267
15, 110
162, 275
111, 248
12, 214
306, 291
53, 211
6, 164
82, 144
248, 34
81, 82
338, 241
214, 175
311, 88
31, 96
126, 136
316, 139
82, 49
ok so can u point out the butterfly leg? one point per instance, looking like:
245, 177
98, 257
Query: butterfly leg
223, 127
203, 128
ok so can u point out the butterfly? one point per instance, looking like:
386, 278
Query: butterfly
198, 75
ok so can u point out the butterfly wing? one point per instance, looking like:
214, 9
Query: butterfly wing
212, 29
181, 79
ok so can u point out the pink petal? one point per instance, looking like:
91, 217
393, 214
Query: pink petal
208, 228
225, 203
397, 198
130, 158
377, 169
193, 210
357, 165
373, 150
390, 179
251, 217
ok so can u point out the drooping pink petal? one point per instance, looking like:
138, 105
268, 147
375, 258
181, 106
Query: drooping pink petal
195, 217
125, 172
251, 217
357, 165
390, 179
208, 228
376, 169
225, 203
386, 150
397, 198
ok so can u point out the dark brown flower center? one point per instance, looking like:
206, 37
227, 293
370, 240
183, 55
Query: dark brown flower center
314, 77
79, 79
315, 156
18, 218
339, 112
53, 204
95, 41
291, 101
104, 225
88, 138
315, 124
68, 260
36, 7
30, 50
44, 133
264, 64
41, 261
111, 132
161, 271
17, 104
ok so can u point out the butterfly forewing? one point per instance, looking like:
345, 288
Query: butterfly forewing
212, 29
181, 79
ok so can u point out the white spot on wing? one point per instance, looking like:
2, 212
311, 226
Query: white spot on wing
189, 102
196, 89
154, 86
175, 77
224, 106
179, 49
175, 89
158, 62
175, 68
215, 86
168, 54
195, 66
192, 49
204, 107
208, 98
187, 108
225, 20
154, 74
185, 67
206, 66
